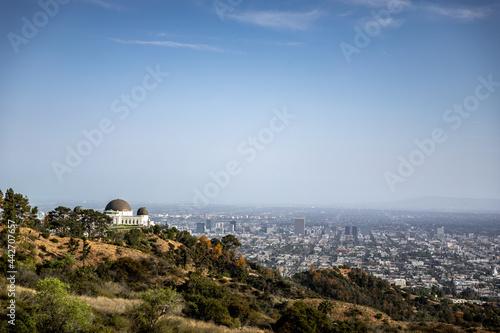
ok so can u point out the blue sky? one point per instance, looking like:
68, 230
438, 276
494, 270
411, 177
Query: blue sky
182, 89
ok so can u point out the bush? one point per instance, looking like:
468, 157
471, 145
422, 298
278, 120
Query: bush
156, 303
209, 309
239, 310
353, 312
128, 269
378, 316
27, 277
133, 238
43, 247
54, 240
57, 310
301, 317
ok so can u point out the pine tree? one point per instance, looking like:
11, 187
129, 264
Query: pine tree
16, 208
73, 245
86, 249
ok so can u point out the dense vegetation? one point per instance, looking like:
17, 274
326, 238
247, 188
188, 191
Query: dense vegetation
74, 274
364, 289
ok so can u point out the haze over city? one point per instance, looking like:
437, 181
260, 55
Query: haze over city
250, 102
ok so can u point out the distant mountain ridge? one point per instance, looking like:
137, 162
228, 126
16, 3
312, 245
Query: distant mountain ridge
448, 204
426, 203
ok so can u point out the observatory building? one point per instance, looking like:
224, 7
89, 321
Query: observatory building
121, 213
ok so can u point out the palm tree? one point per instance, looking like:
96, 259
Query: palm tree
326, 307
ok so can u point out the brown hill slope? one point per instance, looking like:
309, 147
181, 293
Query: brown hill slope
56, 247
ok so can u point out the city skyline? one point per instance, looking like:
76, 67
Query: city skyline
237, 102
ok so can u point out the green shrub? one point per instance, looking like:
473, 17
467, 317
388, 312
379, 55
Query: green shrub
353, 312
301, 317
54, 240
57, 310
26, 277
43, 247
209, 309
128, 269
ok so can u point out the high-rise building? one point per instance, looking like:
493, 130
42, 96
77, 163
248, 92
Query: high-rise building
354, 231
208, 224
219, 228
200, 228
232, 226
440, 233
347, 230
300, 226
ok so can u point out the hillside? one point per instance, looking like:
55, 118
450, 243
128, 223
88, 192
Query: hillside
53, 247
218, 289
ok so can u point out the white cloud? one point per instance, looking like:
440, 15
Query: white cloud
381, 3
279, 20
387, 23
465, 14
201, 47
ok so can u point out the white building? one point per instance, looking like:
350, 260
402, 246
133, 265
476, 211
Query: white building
440, 233
121, 213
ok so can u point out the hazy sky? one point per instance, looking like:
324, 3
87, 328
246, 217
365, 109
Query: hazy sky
281, 102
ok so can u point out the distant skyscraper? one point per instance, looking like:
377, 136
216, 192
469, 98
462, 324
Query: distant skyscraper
440, 233
232, 226
209, 224
219, 228
354, 231
300, 226
200, 228
347, 230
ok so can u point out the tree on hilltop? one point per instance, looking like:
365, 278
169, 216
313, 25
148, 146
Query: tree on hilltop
230, 242
16, 208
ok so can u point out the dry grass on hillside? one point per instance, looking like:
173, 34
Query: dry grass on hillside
99, 251
101, 304
341, 312
110, 305
187, 325
174, 323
